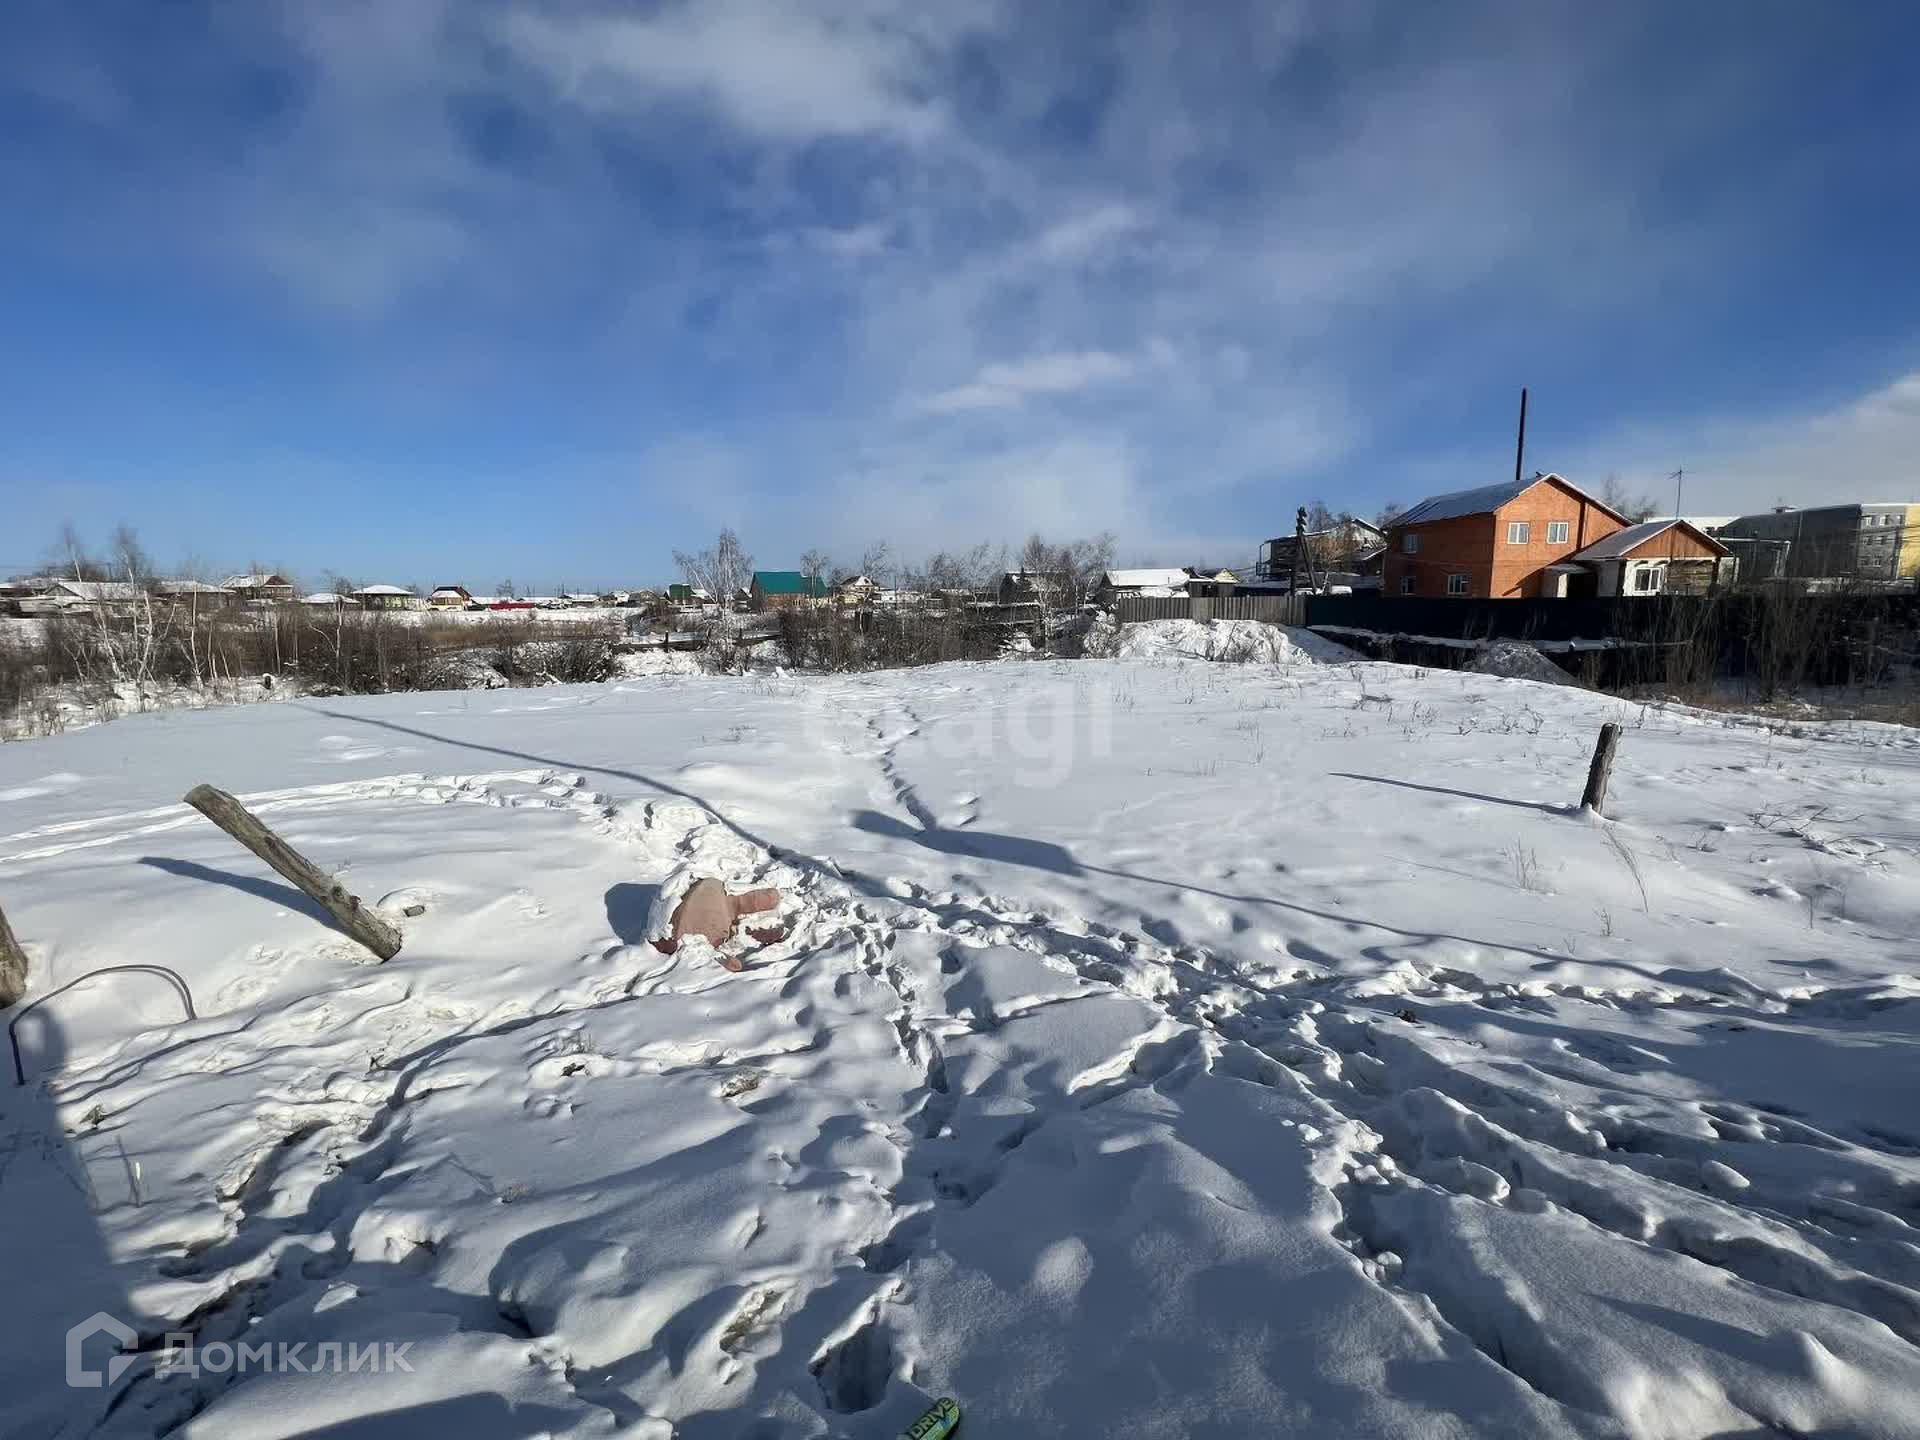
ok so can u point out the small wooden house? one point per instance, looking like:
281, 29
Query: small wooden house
385, 597
262, 588
1161, 583
1654, 557
857, 590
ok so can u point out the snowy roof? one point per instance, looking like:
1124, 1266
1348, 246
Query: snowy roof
252, 582
1146, 579
1483, 500
98, 589
324, 597
1624, 542
382, 590
450, 590
1708, 523
188, 587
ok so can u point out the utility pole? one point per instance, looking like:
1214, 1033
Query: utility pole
1299, 546
1520, 445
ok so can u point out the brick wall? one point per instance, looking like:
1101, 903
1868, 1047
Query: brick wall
1476, 546
1447, 547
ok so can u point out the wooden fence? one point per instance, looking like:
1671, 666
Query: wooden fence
1268, 609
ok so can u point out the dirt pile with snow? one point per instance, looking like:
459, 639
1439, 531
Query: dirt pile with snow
1230, 641
1517, 660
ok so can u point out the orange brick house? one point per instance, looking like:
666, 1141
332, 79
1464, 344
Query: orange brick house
1505, 541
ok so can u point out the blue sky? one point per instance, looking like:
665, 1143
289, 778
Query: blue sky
427, 290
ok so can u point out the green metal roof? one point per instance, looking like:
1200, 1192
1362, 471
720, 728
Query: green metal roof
788, 582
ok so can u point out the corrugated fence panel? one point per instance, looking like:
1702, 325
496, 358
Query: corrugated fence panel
1267, 609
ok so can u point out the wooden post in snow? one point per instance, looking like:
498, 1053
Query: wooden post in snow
234, 818
13, 965
1601, 770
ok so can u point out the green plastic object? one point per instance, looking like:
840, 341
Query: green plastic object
941, 1420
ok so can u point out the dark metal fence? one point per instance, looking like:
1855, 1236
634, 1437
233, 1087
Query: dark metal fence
1785, 637
1267, 609
1469, 619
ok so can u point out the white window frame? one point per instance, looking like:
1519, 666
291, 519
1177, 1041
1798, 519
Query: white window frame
1519, 532
1559, 532
1459, 584
1406, 584
1646, 580
1410, 543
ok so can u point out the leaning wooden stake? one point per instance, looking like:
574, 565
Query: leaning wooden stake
1601, 770
234, 818
13, 965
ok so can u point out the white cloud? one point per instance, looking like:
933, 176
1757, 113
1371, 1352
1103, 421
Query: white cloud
1084, 235
1006, 385
849, 242
777, 71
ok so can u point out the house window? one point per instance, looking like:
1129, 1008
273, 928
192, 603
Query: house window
1406, 584
1646, 578
1457, 584
1410, 544
1519, 532
1559, 531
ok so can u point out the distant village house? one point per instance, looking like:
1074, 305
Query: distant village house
856, 590
385, 597
266, 588
784, 589
1161, 583
1349, 547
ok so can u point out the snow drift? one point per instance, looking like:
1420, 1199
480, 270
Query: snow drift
1233, 641
1517, 660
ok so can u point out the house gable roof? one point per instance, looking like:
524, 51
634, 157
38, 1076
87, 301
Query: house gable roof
1625, 542
98, 590
1146, 579
788, 582
453, 590
253, 582
1485, 499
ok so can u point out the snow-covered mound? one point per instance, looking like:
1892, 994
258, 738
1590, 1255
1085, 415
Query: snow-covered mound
1517, 660
638, 664
1239, 641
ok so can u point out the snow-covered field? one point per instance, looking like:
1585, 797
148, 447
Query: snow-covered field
1162, 1048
